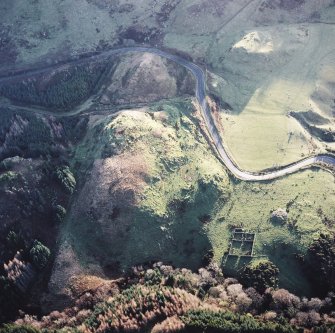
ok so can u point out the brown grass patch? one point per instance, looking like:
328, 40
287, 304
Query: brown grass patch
85, 283
128, 174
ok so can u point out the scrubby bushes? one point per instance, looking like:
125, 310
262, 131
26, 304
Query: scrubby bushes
8, 177
260, 275
65, 177
167, 299
29, 135
229, 322
320, 263
18, 273
153, 276
59, 213
283, 300
12, 328
137, 307
39, 254
14, 241
24, 135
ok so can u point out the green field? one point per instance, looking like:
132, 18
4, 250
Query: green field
266, 74
308, 197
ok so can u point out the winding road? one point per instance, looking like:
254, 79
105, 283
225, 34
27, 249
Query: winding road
198, 73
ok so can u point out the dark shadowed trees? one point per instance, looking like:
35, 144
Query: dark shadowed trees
260, 275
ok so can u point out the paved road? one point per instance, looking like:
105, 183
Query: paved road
200, 77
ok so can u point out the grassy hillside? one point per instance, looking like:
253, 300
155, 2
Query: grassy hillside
308, 197
151, 189
39, 29
272, 58
145, 78
151, 186
267, 74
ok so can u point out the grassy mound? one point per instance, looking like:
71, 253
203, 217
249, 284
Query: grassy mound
151, 188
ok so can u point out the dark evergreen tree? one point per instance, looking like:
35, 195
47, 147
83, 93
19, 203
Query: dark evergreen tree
39, 254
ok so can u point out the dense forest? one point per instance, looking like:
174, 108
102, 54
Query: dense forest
62, 89
159, 298
27, 135
36, 183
